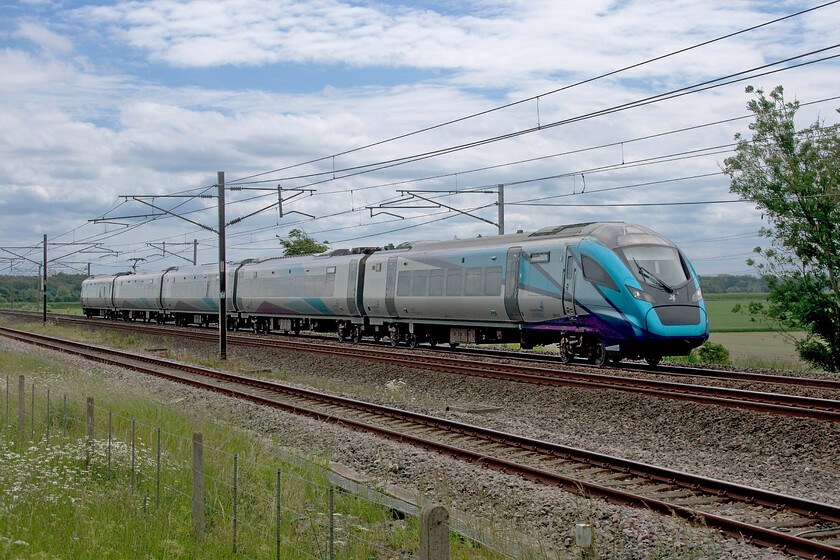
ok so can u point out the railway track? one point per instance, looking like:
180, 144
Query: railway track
794, 525
768, 402
522, 356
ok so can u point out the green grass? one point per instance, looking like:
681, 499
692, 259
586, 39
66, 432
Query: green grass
722, 319
63, 498
72, 308
751, 342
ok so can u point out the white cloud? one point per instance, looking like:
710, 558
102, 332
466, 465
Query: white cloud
493, 48
43, 37
78, 130
22, 72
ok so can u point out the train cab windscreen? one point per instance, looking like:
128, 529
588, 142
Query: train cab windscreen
657, 265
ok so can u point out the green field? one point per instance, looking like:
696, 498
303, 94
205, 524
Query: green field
722, 319
751, 342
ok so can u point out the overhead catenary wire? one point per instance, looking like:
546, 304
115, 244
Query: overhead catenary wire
699, 87
112, 234
660, 97
550, 92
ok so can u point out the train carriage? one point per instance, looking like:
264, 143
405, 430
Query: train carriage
97, 295
190, 294
319, 293
598, 290
431, 291
137, 296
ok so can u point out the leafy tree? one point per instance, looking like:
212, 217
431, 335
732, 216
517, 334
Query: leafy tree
733, 284
299, 243
794, 177
61, 287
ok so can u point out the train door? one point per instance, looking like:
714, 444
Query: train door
352, 307
512, 281
569, 307
360, 285
390, 287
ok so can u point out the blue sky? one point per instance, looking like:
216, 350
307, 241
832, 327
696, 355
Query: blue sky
103, 99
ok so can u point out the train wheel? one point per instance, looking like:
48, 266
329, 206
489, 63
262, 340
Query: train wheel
433, 342
342, 333
412, 340
598, 354
653, 359
564, 353
357, 334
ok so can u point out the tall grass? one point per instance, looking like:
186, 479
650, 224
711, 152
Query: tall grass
69, 497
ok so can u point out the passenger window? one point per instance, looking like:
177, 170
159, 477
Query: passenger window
329, 288
453, 282
596, 274
404, 283
472, 285
493, 281
418, 283
436, 282
320, 285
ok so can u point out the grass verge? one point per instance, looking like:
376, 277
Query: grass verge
124, 495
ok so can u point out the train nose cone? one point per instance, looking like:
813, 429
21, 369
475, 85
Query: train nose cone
676, 320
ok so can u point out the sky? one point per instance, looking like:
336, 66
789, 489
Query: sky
385, 122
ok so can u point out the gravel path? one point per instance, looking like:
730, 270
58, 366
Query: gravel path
791, 455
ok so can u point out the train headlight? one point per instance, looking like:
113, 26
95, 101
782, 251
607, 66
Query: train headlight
697, 296
639, 294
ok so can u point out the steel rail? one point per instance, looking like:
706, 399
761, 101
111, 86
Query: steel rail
675, 370
755, 533
777, 403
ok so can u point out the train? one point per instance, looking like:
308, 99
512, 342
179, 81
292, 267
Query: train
597, 290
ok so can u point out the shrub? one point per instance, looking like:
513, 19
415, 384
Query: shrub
711, 353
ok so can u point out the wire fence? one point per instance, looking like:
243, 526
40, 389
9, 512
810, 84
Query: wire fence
256, 505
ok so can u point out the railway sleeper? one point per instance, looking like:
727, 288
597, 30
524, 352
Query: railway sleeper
698, 500
681, 493
789, 524
622, 482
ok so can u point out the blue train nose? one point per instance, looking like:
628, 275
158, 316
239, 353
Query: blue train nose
676, 321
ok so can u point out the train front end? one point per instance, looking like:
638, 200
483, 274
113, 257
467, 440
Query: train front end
665, 303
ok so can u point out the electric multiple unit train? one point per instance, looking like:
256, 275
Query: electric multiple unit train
601, 290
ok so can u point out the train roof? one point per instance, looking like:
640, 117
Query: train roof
611, 234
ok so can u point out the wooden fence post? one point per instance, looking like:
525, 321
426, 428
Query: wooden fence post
434, 532
89, 433
21, 408
198, 485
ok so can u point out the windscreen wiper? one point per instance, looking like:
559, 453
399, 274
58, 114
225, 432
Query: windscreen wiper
650, 276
